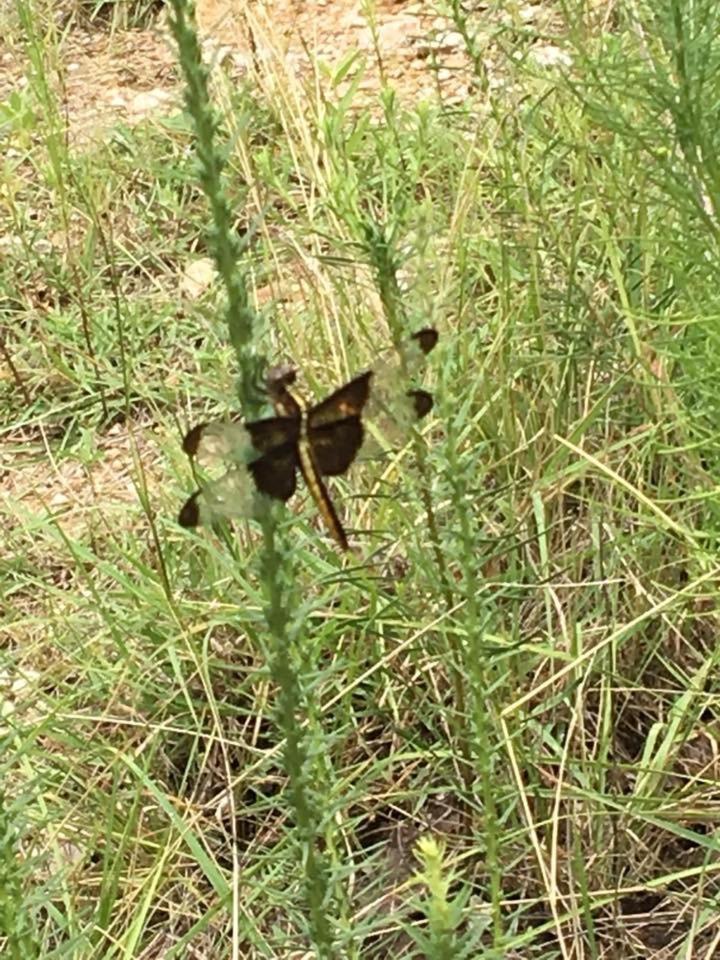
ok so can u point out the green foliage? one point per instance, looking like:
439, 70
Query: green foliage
445, 913
17, 929
232, 740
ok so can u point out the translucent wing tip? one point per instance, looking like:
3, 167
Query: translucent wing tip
426, 338
190, 514
191, 440
422, 402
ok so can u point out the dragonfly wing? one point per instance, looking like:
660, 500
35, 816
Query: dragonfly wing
231, 495
275, 472
238, 442
235, 493
334, 446
262, 457
346, 401
219, 440
393, 408
334, 426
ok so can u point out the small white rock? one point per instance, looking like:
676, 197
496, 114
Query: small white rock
549, 55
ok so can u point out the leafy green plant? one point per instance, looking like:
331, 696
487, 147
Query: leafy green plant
17, 927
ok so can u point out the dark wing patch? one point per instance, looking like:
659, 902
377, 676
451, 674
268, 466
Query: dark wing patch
275, 471
334, 428
190, 513
346, 401
425, 339
422, 402
273, 432
191, 440
334, 446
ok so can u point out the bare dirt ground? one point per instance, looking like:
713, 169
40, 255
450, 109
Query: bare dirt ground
105, 76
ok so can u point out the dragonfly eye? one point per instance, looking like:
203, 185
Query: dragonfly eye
277, 381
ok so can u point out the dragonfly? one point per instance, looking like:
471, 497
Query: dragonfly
263, 457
